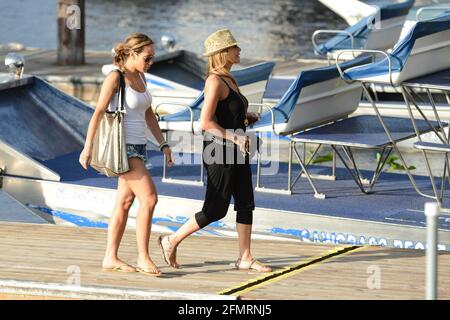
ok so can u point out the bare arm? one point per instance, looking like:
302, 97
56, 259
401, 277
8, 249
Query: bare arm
153, 125
109, 87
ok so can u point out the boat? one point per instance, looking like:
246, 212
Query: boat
43, 134
379, 27
389, 98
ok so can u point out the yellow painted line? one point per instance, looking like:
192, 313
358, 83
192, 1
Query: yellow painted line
290, 271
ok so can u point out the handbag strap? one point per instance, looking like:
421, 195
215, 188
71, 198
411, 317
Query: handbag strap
121, 93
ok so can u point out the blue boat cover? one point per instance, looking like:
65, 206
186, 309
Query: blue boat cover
361, 29
252, 74
42, 121
283, 109
245, 76
401, 51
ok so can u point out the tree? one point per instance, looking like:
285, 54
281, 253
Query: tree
71, 32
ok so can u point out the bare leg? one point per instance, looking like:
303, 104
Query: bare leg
169, 243
244, 234
184, 231
246, 260
143, 187
117, 224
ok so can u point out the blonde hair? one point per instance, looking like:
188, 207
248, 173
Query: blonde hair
217, 65
134, 42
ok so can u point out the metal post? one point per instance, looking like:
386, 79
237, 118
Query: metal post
71, 32
258, 169
432, 213
166, 137
291, 145
333, 170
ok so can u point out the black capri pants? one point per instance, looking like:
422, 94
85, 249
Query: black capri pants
223, 182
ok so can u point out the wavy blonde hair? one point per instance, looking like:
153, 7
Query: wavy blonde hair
134, 42
217, 65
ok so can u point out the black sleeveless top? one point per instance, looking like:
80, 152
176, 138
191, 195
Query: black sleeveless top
230, 114
231, 111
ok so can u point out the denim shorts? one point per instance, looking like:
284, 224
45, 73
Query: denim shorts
137, 151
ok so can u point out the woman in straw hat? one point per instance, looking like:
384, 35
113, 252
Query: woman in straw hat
223, 118
132, 57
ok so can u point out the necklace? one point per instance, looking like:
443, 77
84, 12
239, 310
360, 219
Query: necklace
243, 103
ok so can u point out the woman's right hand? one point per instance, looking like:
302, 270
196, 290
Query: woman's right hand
85, 158
243, 142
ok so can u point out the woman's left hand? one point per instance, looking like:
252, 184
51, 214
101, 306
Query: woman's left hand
253, 117
168, 153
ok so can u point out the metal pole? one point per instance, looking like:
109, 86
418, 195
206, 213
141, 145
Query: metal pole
258, 169
71, 32
432, 213
291, 145
166, 137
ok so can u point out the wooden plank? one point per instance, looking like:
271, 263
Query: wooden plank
9, 296
44, 254
48, 254
373, 273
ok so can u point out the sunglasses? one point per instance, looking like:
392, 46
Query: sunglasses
148, 59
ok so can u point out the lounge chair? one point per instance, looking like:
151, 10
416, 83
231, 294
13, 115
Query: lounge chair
423, 51
379, 30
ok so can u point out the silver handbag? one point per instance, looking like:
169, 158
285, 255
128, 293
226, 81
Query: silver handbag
109, 151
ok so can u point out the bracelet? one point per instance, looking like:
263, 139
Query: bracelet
163, 145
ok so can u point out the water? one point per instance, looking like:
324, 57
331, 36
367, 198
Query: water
265, 28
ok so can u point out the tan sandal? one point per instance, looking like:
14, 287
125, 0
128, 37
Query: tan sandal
168, 252
252, 266
150, 272
150, 269
121, 268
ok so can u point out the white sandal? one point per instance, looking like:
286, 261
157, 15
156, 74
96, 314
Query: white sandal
263, 268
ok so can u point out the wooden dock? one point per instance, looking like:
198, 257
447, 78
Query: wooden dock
50, 261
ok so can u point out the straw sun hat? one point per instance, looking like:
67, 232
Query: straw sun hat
218, 41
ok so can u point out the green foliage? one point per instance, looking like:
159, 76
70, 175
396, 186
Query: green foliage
393, 164
319, 159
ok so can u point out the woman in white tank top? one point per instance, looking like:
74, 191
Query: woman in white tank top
133, 58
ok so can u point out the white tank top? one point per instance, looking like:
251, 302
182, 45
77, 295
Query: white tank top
136, 104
